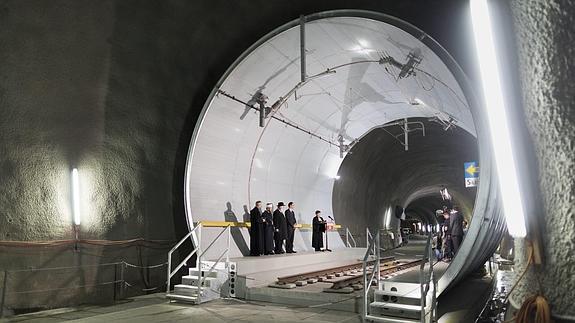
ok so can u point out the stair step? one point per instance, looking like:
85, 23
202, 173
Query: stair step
206, 265
188, 290
193, 280
400, 287
410, 298
389, 319
415, 293
195, 272
395, 309
189, 287
183, 298
397, 300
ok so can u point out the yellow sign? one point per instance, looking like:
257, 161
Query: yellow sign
471, 169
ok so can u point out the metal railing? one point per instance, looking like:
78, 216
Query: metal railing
17, 282
171, 272
368, 238
349, 242
373, 249
199, 254
226, 253
427, 284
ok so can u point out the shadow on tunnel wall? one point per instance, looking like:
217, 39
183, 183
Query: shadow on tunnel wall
238, 238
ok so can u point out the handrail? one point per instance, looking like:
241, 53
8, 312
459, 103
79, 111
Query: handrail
237, 224
425, 284
214, 241
181, 264
202, 278
372, 246
200, 253
368, 237
347, 241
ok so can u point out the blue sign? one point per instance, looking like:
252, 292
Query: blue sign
471, 174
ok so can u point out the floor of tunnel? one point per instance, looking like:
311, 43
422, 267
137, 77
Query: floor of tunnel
155, 307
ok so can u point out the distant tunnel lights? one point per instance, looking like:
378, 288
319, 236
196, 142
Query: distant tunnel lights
76, 196
497, 117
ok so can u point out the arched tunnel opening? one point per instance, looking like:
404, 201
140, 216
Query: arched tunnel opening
378, 175
380, 117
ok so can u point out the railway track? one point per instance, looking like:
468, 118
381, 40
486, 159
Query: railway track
349, 275
385, 269
327, 272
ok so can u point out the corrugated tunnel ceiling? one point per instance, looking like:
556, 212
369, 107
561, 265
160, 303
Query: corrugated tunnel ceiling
364, 70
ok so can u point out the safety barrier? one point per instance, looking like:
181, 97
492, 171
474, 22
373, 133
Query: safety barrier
426, 284
348, 242
199, 252
119, 281
373, 251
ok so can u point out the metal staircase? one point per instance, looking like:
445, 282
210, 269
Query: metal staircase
396, 302
207, 280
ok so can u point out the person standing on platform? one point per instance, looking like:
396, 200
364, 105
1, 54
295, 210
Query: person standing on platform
456, 224
256, 230
268, 230
318, 228
291, 221
280, 226
448, 247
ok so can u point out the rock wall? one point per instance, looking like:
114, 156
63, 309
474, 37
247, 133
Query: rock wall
545, 39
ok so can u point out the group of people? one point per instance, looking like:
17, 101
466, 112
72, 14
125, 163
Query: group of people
448, 240
270, 230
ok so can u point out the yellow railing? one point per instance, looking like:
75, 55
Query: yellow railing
223, 224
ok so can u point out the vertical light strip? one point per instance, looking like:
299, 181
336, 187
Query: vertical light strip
497, 117
388, 218
76, 196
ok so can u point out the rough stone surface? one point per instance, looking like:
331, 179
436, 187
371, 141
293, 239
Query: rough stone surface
546, 46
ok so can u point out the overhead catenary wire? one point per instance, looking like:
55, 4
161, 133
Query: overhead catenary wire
384, 59
293, 125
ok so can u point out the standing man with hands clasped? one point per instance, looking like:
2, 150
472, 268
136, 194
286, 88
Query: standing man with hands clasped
291, 221
280, 227
256, 230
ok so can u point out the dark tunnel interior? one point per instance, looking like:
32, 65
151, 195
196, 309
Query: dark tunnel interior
379, 174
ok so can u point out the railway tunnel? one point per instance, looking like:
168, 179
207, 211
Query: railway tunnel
125, 124
379, 116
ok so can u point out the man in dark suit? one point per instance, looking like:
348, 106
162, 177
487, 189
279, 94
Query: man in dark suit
280, 227
456, 224
268, 230
256, 230
291, 221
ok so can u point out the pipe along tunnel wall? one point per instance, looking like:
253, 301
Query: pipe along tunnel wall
351, 91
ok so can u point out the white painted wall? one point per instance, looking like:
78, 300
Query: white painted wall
236, 161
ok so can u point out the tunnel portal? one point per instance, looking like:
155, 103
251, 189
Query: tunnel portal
345, 134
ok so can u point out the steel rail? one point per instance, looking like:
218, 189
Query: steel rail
323, 272
383, 271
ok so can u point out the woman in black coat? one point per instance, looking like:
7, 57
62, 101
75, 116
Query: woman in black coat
318, 228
